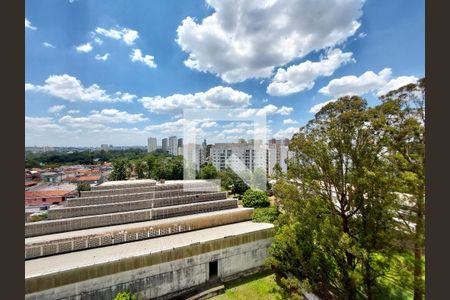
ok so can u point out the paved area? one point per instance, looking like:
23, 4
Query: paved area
67, 261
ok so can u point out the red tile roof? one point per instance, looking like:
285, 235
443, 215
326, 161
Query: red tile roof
89, 178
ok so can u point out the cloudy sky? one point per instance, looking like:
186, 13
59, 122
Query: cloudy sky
117, 72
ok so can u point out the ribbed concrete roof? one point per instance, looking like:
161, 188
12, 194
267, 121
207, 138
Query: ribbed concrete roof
73, 260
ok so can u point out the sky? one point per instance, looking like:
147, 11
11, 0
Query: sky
112, 72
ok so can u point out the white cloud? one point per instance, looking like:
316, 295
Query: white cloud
289, 122
128, 36
209, 124
285, 133
216, 97
252, 36
56, 108
396, 83
136, 55
85, 48
28, 25
98, 40
70, 88
301, 77
97, 119
316, 108
369, 82
48, 45
104, 57
73, 111
269, 109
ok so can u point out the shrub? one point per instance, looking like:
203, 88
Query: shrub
265, 215
255, 199
125, 296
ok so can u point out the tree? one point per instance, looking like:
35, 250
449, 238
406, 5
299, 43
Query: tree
208, 171
278, 172
266, 215
121, 170
255, 199
339, 210
139, 168
83, 186
403, 115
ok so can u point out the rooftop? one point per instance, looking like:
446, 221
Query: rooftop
72, 260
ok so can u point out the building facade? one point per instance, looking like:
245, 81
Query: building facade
164, 145
173, 145
151, 144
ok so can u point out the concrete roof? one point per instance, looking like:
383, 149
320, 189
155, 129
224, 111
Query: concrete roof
127, 182
106, 229
72, 260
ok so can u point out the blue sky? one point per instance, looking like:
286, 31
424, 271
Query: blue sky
115, 72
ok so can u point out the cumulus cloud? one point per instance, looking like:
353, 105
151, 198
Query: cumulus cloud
285, 133
104, 57
316, 108
136, 55
48, 45
56, 108
128, 36
73, 111
289, 122
85, 48
216, 97
255, 36
97, 119
28, 25
71, 89
369, 82
301, 77
269, 109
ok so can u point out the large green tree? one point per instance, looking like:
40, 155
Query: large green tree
403, 115
208, 171
339, 211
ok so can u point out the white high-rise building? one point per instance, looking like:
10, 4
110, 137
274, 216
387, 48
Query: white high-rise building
239, 156
173, 145
151, 144
277, 153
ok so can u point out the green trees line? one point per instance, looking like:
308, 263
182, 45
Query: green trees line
346, 221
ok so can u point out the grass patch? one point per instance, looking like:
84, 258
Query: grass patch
257, 286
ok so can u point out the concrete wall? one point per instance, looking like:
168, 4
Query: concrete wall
62, 225
119, 234
156, 280
89, 210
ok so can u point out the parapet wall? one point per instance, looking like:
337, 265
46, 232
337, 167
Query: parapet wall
77, 211
71, 224
120, 234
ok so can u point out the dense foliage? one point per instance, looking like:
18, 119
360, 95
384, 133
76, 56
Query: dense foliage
343, 224
265, 215
255, 199
125, 296
53, 158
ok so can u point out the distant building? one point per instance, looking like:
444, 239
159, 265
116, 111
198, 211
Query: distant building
240, 155
151, 144
164, 145
180, 142
277, 154
173, 145
104, 147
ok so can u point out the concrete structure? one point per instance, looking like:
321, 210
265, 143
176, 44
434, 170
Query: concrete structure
164, 145
151, 144
173, 145
134, 235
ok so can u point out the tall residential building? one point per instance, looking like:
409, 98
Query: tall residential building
151, 144
180, 142
164, 145
277, 154
173, 145
239, 156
